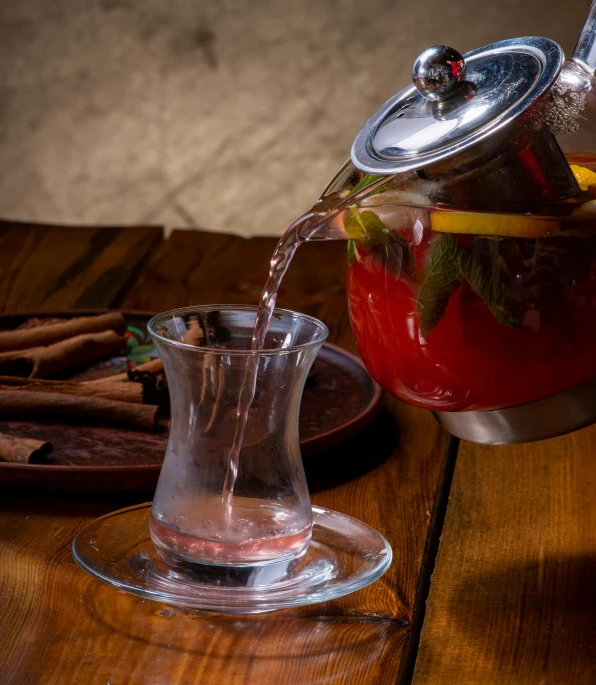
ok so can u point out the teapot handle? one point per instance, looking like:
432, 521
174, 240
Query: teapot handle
585, 49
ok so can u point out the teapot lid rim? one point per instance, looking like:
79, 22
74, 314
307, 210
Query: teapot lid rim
409, 132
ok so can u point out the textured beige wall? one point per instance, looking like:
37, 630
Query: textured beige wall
229, 115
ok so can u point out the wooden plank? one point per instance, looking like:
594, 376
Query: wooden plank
512, 598
117, 638
60, 624
168, 281
60, 267
198, 267
66, 626
17, 241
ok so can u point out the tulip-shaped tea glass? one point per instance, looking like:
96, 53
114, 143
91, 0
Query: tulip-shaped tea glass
218, 502
231, 524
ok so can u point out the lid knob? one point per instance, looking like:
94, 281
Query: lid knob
438, 71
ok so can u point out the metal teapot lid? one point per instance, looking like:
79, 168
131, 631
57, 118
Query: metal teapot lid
455, 102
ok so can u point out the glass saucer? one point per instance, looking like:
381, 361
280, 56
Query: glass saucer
344, 555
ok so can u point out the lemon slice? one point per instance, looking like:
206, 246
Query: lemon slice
513, 225
584, 176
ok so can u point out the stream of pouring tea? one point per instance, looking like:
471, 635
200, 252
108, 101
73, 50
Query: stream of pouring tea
320, 223
300, 231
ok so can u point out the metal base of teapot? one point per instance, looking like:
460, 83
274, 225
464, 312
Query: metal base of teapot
564, 412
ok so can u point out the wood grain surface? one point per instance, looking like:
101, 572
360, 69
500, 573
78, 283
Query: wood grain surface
513, 598
60, 626
204, 268
45, 267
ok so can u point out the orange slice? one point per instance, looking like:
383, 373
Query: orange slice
584, 176
513, 225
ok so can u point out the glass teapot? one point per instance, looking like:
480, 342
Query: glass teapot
469, 204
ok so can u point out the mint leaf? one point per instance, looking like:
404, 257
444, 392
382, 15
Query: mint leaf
365, 224
373, 226
549, 250
491, 290
392, 251
353, 252
367, 228
442, 275
358, 225
350, 257
365, 181
448, 262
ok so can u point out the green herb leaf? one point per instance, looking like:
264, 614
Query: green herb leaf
365, 224
353, 225
353, 252
367, 228
547, 249
442, 276
366, 180
392, 251
491, 290
448, 262
505, 254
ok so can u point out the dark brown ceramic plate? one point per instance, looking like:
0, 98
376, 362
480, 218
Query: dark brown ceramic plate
340, 398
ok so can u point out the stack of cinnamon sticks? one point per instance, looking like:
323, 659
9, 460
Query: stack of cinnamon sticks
31, 353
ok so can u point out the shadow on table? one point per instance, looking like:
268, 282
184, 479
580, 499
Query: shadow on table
354, 457
528, 622
289, 641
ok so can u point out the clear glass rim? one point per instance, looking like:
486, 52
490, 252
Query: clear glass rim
319, 340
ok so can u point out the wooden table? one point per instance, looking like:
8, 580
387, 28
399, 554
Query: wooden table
512, 596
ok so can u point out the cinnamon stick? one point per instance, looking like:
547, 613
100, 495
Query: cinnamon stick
14, 354
155, 366
35, 322
35, 405
23, 450
44, 361
121, 392
194, 335
37, 336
